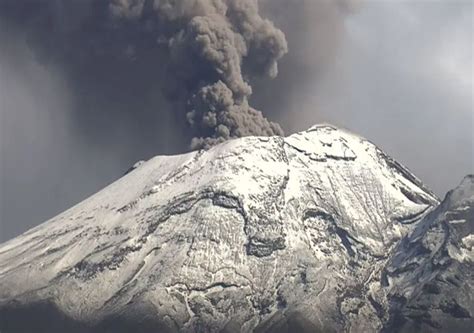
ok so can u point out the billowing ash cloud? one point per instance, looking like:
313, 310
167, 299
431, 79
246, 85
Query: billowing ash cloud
212, 43
202, 53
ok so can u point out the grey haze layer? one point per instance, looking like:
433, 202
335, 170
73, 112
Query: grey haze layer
319, 231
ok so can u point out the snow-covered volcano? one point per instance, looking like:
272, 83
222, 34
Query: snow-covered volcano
256, 234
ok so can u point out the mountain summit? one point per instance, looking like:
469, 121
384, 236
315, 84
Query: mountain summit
317, 232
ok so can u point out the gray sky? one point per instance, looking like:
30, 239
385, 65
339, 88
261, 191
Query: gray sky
407, 70
397, 72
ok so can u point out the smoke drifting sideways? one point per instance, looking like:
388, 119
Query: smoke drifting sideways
197, 55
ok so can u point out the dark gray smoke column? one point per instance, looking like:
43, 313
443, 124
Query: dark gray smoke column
199, 54
210, 44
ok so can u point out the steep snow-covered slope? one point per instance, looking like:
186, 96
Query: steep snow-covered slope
430, 276
256, 234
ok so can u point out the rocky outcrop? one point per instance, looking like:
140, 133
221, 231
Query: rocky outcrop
430, 276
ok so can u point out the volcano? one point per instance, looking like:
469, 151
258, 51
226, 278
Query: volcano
320, 231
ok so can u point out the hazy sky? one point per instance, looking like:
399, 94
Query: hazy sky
397, 72
403, 78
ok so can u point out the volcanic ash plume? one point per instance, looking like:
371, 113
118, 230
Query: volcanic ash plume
199, 54
214, 47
